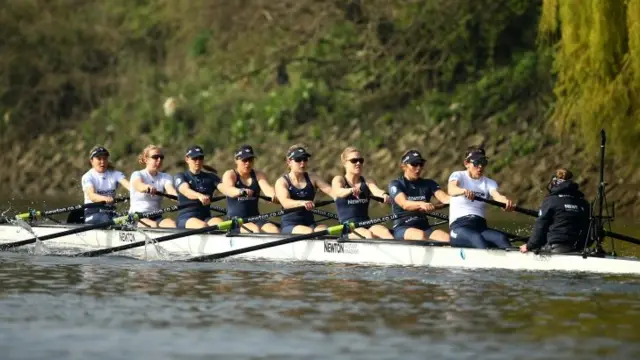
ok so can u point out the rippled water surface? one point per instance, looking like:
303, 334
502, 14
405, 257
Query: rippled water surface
54, 307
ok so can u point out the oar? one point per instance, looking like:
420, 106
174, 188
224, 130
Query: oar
35, 214
225, 225
115, 221
335, 230
534, 213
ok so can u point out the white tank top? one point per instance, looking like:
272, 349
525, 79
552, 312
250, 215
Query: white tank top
104, 184
141, 202
460, 206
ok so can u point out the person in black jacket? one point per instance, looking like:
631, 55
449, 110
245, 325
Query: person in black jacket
563, 221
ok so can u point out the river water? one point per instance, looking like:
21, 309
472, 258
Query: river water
55, 307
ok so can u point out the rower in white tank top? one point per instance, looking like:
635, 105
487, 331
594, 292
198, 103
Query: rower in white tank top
100, 184
146, 183
460, 206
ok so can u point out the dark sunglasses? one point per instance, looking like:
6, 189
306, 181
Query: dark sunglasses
157, 156
416, 164
356, 160
247, 160
195, 158
301, 159
477, 163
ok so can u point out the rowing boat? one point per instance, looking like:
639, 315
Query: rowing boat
327, 250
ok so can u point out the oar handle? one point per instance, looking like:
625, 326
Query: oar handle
503, 205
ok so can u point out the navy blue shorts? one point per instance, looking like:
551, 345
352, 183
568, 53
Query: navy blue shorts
182, 221
287, 229
398, 232
99, 217
259, 223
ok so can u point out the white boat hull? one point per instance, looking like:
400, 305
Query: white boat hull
323, 250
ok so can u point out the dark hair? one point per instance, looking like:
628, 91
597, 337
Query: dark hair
473, 149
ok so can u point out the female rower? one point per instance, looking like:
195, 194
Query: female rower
244, 176
298, 188
466, 217
146, 183
355, 206
412, 193
194, 184
563, 223
100, 184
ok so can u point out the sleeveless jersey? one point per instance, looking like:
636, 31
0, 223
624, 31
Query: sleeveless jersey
352, 208
246, 205
303, 217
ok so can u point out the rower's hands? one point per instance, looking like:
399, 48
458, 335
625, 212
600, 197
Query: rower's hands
108, 200
151, 190
308, 205
469, 194
204, 199
509, 205
523, 248
427, 207
274, 200
355, 191
386, 199
246, 192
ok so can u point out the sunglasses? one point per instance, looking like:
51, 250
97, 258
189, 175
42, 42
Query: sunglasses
157, 156
246, 160
356, 160
477, 163
196, 158
416, 164
301, 159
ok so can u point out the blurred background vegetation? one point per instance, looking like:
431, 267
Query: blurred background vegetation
258, 70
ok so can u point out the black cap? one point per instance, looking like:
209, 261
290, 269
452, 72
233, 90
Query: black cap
194, 151
244, 152
477, 154
98, 151
298, 152
411, 157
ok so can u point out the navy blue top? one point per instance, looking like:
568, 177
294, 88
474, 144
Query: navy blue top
303, 217
204, 183
418, 190
352, 208
245, 205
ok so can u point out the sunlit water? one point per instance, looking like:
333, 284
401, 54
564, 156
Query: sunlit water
54, 307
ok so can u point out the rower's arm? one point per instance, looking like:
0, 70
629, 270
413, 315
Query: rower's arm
498, 197
406, 204
229, 190
282, 193
229, 178
337, 187
93, 196
454, 188
327, 189
442, 196
138, 184
375, 190
265, 186
125, 183
169, 188
185, 190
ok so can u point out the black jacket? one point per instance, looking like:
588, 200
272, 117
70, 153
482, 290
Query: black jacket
563, 218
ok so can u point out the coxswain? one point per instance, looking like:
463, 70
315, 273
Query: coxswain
354, 207
298, 188
563, 221
100, 183
245, 176
196, 185
467, 222
145, 185
412, 193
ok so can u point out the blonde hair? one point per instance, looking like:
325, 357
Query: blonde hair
564, 174
145, 153
348, 150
